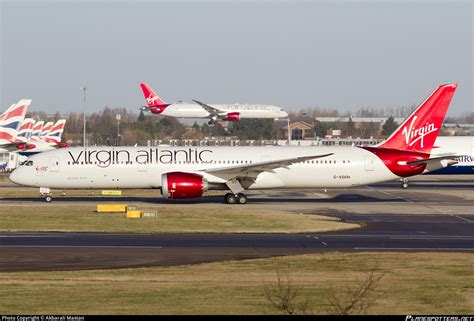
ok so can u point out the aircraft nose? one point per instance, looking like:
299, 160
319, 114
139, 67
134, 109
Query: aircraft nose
15, 176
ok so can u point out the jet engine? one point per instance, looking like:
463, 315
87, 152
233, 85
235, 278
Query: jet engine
232, 117
179, 185
26, 146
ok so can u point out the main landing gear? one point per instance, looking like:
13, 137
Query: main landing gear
238, 198
405, 183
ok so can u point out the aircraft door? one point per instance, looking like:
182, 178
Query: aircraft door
369, 163
54, 164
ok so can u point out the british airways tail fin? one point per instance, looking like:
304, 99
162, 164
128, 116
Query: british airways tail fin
419, 131
12, 119
37, 128
46, 129
54, 136
4, 114
26, 128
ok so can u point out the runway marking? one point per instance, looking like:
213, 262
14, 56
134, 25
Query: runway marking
439, 210
324, 243
463, 218
33, 236
415, 248
389, 194
86, 246
395, 236
432, 238
315, 237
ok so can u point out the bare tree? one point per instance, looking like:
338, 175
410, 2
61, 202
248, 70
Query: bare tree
358, 298
284, 296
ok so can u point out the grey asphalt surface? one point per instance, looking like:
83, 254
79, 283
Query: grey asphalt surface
432, 215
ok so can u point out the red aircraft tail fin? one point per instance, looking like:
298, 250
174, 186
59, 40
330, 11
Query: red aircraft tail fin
419, 131
151, 97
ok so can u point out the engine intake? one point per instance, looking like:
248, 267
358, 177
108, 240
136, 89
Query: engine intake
232, 117
179, 185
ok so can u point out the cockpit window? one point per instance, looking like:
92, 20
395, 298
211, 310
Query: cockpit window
29, 163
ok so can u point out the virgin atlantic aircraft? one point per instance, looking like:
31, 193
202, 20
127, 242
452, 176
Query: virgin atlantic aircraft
214, 112
187, 172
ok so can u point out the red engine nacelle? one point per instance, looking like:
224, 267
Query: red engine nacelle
232, 117
26, 146
179, 185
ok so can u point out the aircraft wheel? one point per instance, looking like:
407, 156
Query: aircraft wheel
230, 198
404, 183
48, 199
241, 198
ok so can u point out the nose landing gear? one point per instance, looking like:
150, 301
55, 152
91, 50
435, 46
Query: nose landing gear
46, 193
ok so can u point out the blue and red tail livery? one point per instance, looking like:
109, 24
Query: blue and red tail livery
11, 120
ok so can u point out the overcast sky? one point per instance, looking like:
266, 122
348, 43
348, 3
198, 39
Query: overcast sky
294, 54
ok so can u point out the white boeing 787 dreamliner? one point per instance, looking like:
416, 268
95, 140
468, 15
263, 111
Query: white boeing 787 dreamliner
187, 172
214, 112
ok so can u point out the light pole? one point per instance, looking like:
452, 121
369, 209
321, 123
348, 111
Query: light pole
118, 117
289, 131
84, 88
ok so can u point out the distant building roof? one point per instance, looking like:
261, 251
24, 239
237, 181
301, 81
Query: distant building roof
300, 124
452, 125
345, 119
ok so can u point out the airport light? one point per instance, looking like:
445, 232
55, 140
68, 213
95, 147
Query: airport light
289, 130
118, 117
84, 88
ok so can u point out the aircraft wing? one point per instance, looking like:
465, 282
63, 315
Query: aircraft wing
252, 170
211, 110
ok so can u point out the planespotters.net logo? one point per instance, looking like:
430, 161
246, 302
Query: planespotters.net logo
439, 318
413, 135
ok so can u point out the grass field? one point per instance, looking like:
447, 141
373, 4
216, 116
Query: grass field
217, 218
414, 283
172, 218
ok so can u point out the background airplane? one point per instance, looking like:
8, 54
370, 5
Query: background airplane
49, 139
10, 122
463, 149
214, 112
186, 172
